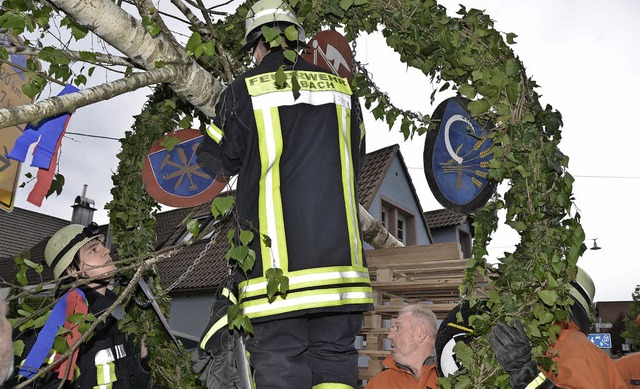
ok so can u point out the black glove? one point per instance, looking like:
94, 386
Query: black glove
216, 372
513, 350
511, 346
214, 358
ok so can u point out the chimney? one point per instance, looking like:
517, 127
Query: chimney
83, 209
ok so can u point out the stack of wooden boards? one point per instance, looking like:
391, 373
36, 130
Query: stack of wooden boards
427, 274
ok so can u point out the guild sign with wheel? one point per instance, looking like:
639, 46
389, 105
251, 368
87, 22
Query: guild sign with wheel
456, 158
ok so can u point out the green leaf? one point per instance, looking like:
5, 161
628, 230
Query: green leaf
467, 91
295, 87
194, 42
221, 205
60, 345
290, 55
284, 284
512, 67
75, 318
246, 237
478, 107
169, 142
193, 226
346, 4
511, 38
517, 225
239, 253
291, 33
246, 325
18, 348
209, 48
281, 78
30, 263
88, 56
548, 297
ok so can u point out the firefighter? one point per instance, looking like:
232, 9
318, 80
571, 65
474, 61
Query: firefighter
629, 367
411, 363
580, 364
107, 359
297, 158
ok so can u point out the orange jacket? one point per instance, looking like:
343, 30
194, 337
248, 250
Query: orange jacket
582, 365
400, 377
629, 367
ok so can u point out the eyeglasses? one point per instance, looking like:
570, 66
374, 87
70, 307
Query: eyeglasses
89, 231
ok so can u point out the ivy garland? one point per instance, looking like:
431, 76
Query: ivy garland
465, 54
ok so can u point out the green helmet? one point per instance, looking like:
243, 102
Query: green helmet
265, 12
65, 243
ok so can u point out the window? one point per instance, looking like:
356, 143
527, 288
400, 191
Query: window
203, 221
398, 221
464, 239
400, 229
384, 217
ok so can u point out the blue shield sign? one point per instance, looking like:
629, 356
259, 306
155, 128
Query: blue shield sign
456, 158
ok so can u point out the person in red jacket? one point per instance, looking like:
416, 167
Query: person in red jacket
580, 364
411, 363
629, 367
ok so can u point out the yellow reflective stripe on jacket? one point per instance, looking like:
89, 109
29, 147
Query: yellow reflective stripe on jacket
106, 375
222, 322
215, 133
332, 385
539, 380
309, 299
270, 199
300, 279
105, 366
308, 81
348, 180
227, 293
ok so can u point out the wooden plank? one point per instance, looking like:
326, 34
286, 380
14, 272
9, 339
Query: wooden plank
402, 257
451, 247
398, 286
374, 353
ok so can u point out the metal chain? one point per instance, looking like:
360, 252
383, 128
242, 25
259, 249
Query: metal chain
192, 266
183, 275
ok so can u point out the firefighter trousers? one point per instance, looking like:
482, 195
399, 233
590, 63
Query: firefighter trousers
314, 351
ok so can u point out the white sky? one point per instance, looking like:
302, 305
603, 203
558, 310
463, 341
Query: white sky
583, 54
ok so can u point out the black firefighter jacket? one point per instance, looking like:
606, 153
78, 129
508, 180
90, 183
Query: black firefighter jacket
297, 160
106, 360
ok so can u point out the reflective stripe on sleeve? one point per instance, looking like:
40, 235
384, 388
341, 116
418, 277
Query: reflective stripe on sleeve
215, 133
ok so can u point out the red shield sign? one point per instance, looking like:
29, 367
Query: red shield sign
174, 177
331, 51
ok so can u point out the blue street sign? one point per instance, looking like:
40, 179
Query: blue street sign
601, 340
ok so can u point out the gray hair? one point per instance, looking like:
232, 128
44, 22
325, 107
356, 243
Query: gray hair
422, 314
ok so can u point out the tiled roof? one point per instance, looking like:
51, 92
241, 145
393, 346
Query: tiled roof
372, 173
25, 230
211, 268
444, 218
204, 273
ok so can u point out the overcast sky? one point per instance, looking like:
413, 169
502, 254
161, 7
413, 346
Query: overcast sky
583, 54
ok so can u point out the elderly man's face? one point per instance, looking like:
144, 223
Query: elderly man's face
6, 344
402, 337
